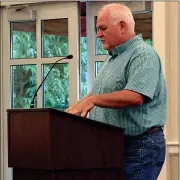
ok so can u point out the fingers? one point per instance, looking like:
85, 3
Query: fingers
86, 110
78, 112
84, 114
67, 110
80, 109
70, 108
74, 110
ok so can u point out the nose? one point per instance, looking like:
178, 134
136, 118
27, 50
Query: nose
99, 34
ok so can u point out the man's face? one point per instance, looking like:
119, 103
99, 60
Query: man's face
109, 34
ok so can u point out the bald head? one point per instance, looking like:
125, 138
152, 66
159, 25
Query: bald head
117, 13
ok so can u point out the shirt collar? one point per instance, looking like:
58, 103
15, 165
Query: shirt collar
121, 48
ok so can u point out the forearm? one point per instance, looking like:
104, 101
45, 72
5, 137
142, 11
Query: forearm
119, 99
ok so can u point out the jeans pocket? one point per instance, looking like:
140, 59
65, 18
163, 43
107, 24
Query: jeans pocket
133, 155
159, 151
133, 163
158, 136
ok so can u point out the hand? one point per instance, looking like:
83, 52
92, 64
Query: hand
81, 108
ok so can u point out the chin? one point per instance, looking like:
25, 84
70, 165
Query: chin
106, 47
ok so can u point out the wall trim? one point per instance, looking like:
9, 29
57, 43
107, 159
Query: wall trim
178, 81
172, 148
1, 98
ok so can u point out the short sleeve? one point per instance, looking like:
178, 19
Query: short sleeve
143, 74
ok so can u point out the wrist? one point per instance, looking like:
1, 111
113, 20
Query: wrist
93, 99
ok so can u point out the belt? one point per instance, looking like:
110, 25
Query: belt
151, 130
148, 132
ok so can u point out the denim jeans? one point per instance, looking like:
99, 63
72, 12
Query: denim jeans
144, 156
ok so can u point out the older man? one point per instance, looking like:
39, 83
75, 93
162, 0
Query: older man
129, 92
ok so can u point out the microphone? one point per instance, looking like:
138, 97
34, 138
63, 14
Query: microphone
35, 94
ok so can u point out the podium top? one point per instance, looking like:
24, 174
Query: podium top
60, 112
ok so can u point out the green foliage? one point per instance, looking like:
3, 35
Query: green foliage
99, 49
55, 46
56, 86
83, 67
148, 41
23, 45
23, 85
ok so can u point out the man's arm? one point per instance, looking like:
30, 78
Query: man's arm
88, 95
118, 99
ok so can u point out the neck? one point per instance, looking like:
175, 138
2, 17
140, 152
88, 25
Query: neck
127, 38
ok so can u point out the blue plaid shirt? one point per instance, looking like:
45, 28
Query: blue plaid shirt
135, 66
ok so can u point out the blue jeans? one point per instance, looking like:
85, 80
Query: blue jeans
144, 156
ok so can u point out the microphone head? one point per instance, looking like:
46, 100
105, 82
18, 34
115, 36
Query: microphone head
69, 56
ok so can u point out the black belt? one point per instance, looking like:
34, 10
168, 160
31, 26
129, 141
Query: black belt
148, 132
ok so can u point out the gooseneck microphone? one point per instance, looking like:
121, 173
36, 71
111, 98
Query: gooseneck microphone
35, 94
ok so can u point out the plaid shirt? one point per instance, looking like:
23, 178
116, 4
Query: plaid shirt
135, 66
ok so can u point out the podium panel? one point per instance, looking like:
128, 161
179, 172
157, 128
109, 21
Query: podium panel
105, 174
51, 143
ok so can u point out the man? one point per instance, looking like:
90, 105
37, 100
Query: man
129, 92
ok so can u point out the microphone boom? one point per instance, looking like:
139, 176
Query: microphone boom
35, 94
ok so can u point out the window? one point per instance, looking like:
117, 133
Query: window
98, 65
23, 85
54, 37
35, 44
23, 40
143, 25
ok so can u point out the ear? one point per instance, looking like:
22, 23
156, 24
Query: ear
123, 26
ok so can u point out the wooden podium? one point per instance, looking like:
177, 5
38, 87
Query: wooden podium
48, 144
